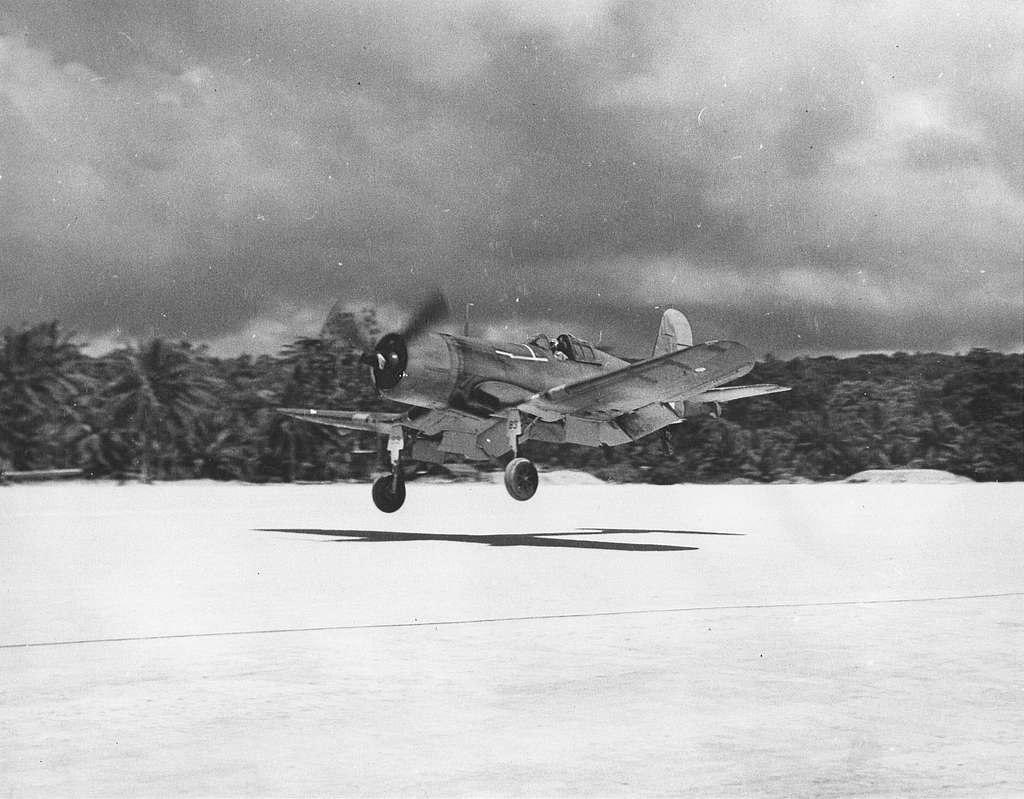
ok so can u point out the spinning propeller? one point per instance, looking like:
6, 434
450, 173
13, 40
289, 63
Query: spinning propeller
389, 356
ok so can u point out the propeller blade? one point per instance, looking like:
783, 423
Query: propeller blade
340, 326
370, 358
431, 311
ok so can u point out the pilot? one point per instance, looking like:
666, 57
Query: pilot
561, 348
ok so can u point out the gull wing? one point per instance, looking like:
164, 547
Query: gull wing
381, 423
675, 376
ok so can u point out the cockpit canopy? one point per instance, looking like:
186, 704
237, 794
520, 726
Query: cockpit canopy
567, 346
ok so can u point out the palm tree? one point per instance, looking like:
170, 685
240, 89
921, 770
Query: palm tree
325, 372
41, 382
160, 392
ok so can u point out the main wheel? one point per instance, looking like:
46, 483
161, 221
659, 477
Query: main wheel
521, 479
388, 496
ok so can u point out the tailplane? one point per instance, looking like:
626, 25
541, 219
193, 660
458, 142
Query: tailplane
674, 334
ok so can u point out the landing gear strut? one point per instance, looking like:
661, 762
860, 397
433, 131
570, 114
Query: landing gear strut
520, 474
389, 490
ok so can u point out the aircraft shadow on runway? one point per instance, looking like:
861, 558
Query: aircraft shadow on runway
558, 539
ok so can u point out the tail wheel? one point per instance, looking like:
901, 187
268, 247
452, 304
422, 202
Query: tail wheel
388, 495
521, 479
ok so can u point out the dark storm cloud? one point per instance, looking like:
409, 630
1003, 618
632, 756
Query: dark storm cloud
803, 176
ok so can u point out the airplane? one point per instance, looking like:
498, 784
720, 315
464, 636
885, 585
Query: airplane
479, 399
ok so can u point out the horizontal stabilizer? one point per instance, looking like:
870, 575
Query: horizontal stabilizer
348, 420
729, 393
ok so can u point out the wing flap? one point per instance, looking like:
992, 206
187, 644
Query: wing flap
349, 420
676, 375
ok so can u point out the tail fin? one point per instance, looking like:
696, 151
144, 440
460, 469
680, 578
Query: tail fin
674, 334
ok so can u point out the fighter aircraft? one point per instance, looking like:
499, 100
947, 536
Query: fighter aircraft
480, 399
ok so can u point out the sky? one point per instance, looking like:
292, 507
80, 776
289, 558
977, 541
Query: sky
804, 177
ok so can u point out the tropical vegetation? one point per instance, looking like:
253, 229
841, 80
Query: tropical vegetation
170, 410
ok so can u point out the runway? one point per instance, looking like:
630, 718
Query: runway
220, 639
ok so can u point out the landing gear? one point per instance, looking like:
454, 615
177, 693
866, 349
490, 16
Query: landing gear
521, 479
389, 493
520, 474
389, 490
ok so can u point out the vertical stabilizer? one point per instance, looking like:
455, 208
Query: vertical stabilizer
674, 333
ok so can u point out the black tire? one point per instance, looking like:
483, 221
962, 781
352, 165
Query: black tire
521, 479
387, 498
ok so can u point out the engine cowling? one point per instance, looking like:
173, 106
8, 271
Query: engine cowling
419, 372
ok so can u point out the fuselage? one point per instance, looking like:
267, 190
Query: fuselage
444, 370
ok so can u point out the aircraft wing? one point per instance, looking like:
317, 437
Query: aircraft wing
350, 420
674, 376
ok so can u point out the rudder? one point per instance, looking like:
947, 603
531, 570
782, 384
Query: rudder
673, 335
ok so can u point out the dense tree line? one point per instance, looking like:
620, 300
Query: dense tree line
169, 410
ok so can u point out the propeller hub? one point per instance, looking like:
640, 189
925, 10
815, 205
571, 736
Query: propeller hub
389, 358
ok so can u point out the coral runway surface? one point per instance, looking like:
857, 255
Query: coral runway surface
197, 639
